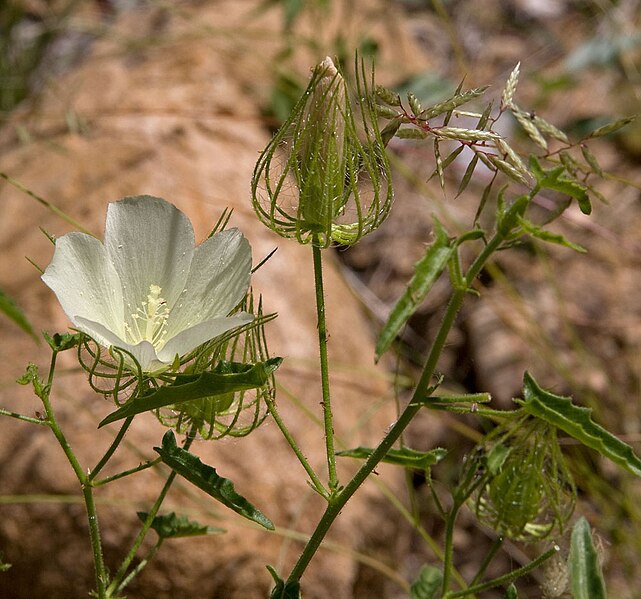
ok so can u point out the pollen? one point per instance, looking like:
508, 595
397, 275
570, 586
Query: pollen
149, 321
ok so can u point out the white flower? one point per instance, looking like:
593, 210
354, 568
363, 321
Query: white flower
147, 289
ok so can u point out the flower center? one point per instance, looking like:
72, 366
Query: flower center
149, 322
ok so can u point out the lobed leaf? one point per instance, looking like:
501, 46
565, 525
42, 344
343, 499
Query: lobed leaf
554, 179
428, 583
586, 578
206, 478
577, 422
228, 377
427, 271
548, 236
172, 526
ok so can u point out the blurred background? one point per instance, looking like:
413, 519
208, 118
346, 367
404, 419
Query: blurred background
125, 84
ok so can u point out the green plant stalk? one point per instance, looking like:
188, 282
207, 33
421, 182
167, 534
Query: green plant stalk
22, 417
338, 501
112, 448
119, 475
509, 577
117, 583
324, 364
140, 566
87, 491
316, 483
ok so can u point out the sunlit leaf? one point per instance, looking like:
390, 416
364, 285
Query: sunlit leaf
555, 179
228, 377
577, 422
548, 236
427, 271
586, 578
205, 478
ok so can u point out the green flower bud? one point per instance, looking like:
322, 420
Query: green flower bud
325, 177
526, 493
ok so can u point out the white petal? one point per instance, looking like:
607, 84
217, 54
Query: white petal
85, 281
144, 351
191, 338
150, 242
218, 280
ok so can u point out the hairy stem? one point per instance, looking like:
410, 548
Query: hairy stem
338, 501
117, 583
324, 364
87, 491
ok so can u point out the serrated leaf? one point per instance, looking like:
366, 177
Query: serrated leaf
172, 526
427, 271
586, 579
428, 584
548, 236
11, 310
207, 479
226, 378
406, 457
31, 376
282, 589
577, 422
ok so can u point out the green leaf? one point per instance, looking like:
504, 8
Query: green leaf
31, 376
511, 592
576, 421
612, 127
226, 378
14, 313
4, 566
172, 526
428, 584
59, 343
406, 457
507, 218
548, 236
554, 179
205, 478
585, 572
427, 271
283, 590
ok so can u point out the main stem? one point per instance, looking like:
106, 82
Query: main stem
338, 501
85, 483
324, 364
